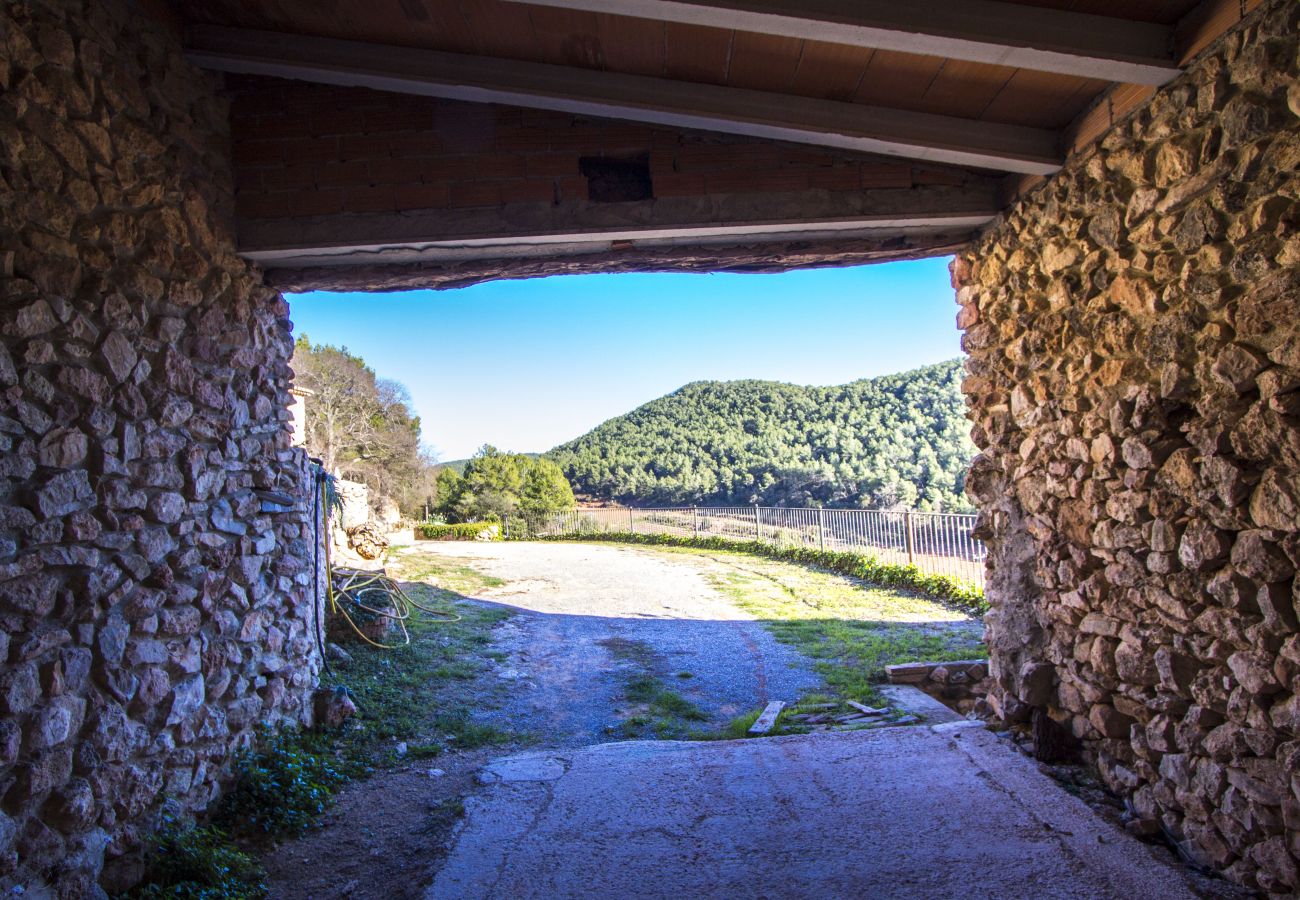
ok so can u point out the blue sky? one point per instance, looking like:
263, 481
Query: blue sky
526, 365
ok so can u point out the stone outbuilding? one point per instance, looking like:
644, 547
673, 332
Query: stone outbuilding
1118, 181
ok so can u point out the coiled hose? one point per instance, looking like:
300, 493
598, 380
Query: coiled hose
357, 583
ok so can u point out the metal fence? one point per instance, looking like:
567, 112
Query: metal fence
937, 543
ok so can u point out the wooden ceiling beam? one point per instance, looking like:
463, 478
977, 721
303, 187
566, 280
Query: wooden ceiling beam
826, 123
986, 31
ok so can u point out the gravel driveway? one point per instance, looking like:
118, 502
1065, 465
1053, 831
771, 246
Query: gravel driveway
593, 616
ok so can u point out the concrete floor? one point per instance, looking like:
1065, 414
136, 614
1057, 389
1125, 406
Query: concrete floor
928, 812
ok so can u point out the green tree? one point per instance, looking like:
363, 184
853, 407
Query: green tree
898, 440
496, 484
545, 490
361, 426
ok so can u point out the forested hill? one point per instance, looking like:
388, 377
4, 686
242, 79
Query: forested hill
880, 442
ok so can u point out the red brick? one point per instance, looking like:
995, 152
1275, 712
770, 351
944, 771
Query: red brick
698, 157
549, 164
528, 139
840, 178
665, 140
584, 139
363, 146
885, 175
499, 165
422, 196
347, 174
321, 149
315, 203
794, 157
530, 190
415, 143
571, 189
290, 177
662, 161
378, 198
937, 176
625, 139
475, 193
338, 120
259, 206
259, 100
396, 171
401, 117
543, 118
771, 182
470, 131
288, 125
448, 168
668, 185
257, 153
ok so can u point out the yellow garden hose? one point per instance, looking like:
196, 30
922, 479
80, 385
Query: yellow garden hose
356, 583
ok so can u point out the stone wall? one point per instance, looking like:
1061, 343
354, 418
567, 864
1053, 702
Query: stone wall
1134, 336
155, 585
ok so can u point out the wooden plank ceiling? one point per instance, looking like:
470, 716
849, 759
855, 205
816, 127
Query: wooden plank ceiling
701, 54
1004, 89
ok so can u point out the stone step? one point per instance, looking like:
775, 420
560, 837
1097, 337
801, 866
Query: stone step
918, 702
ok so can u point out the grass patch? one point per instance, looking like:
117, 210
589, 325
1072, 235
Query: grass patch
422, 694
660, 710
849, 629
673, 705
465, 734
428, 686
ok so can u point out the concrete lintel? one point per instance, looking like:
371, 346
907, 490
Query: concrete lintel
674, 218
733, 255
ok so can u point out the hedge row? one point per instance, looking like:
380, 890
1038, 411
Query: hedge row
465, 531
955, 591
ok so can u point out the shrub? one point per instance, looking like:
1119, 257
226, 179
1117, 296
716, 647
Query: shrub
280, 785
465, 531
186, 862
959, 593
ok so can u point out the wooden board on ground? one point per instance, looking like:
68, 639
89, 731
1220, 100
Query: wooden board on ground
864, 709
763, 724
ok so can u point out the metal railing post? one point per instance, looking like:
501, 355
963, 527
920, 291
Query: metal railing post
821, 529
695, 521
631, 522
909, 538
758, 528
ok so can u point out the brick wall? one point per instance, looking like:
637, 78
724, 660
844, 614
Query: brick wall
305, 150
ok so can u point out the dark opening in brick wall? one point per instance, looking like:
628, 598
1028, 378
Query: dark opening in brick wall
616, 180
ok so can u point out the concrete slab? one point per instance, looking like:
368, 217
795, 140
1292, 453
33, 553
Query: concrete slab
918, 702
901, 813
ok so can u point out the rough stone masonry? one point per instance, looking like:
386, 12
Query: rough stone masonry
154, 600
1134, 378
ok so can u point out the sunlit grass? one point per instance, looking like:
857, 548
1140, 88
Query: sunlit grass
851, 630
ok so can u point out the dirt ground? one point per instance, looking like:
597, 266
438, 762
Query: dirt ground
605, 643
